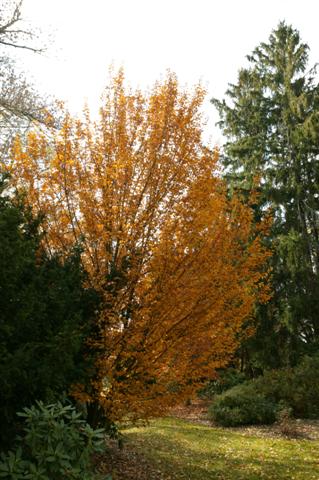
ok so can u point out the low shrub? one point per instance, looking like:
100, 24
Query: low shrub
297, 387
259, 400
56, 444
226, 379
285, 423
306, 398
242, 405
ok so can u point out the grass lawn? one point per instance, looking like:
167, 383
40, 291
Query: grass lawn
182, 450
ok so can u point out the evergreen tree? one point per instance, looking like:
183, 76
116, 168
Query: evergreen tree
44, 317
271, 123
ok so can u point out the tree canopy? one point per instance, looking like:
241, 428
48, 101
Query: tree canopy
178, 264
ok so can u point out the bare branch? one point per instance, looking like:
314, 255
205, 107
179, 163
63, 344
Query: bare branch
36, 50
16, 16
15, 37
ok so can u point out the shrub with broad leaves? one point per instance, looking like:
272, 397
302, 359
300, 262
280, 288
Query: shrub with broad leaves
56, 444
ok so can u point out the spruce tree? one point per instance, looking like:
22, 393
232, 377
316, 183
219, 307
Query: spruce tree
270, 119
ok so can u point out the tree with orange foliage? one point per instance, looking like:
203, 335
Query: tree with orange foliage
179, 265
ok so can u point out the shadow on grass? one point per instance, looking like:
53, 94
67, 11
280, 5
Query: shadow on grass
186, 451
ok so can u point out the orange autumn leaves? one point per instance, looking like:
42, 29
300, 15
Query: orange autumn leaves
179, 265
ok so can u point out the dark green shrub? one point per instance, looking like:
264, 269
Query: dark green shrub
297, 387
306, 398
257, 401
56, 444
45, 317
226, 379
242, 405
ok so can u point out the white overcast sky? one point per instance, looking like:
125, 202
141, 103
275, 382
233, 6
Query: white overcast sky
203, 40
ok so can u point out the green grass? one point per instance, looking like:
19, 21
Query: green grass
187, 451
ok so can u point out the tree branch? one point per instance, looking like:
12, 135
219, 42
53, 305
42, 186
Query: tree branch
10, 44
